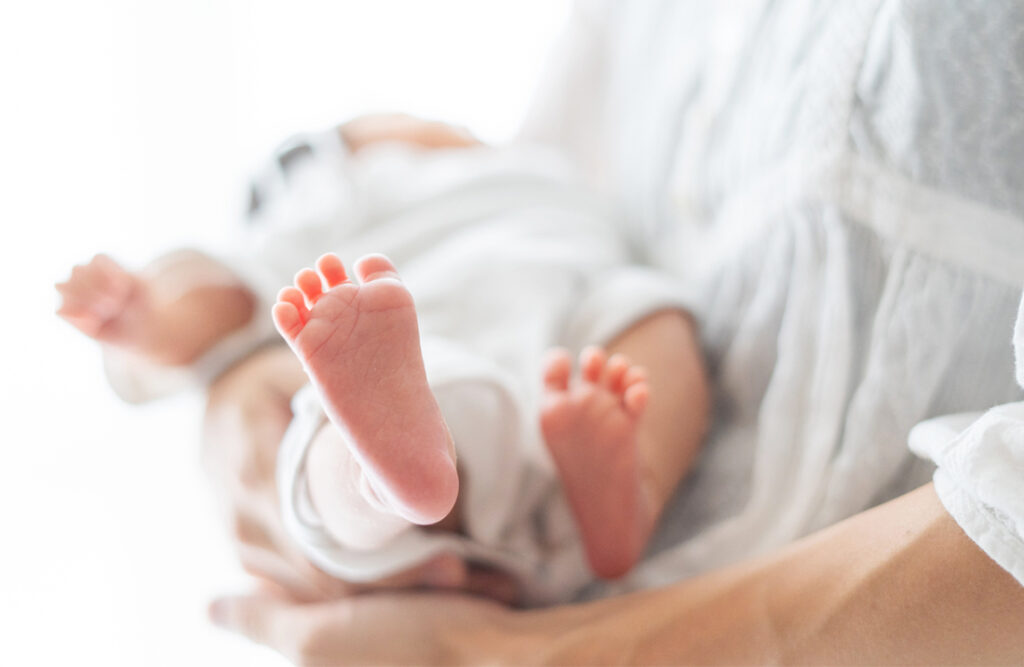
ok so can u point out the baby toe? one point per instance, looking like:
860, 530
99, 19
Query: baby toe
592, 362
633, 375
557, 369
295, 298
332, 269
308, 281
636, 397
287, 319
615, 372
375, 267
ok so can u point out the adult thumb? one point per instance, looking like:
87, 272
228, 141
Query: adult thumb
255, 616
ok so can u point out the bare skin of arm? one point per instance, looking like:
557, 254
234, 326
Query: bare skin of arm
898, 584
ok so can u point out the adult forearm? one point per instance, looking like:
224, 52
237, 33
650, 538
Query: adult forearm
900, 583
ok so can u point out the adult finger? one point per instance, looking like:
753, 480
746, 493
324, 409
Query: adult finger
445, 571
260, 617
300, 583
264, 556
494, 584
386, 628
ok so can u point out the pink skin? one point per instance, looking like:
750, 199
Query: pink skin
359, 344
105, 302
590, 426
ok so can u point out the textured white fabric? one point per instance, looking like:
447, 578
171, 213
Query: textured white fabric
841, 187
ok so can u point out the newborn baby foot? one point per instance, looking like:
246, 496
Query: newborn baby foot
590, 427
106, 302
359, 344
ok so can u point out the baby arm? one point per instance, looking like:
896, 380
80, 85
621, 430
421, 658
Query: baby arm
370, 129
169, 313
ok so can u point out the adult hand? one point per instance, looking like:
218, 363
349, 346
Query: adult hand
385, 628
248, 411
897, 584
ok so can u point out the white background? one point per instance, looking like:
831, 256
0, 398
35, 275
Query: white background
130, 128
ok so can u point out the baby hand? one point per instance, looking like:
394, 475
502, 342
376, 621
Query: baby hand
363, 131
102, 300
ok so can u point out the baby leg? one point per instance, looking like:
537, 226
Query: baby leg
344, 498
623, 433
359, 344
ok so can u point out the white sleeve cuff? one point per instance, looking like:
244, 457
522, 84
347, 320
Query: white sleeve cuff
136, 379
980, 477
619, 300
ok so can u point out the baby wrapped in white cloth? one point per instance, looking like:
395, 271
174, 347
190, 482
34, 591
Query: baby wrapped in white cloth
505, 257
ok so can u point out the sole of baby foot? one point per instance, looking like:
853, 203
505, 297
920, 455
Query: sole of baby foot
358, 341
589, 424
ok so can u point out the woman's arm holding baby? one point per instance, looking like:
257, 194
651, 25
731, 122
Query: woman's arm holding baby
896, 584
899, 583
